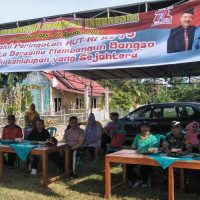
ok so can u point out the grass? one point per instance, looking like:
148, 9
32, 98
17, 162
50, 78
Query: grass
88, 186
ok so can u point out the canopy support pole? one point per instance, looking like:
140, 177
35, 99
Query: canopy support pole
91, 85
86, 97
146, 7
108, 12
107, 102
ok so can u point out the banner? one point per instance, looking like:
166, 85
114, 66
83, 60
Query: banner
166, 36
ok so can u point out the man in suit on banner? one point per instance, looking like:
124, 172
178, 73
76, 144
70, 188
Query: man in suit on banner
181, 38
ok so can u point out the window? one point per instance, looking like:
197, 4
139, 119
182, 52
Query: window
169, 113
143, 113
157, 113
57, 104
189, 110
94, 103
182, 112
78, 103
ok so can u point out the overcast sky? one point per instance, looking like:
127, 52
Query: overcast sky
16, 10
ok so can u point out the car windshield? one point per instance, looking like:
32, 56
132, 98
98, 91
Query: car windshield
142, 113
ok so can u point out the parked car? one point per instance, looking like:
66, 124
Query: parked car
160, 117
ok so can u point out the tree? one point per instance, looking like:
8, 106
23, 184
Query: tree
13, 91
121, 100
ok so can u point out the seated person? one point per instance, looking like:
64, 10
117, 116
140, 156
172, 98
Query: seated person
39, 133
110, 126
193, 134
92, 137
177, 140
142, 142
75, 137
11, 131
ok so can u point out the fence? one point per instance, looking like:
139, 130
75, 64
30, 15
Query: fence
60, 117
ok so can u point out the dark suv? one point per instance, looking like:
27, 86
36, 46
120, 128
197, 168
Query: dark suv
160, 117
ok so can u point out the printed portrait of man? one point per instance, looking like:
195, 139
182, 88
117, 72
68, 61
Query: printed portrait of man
182, 37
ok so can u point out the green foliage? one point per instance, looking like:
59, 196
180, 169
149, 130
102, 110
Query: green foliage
129, 93
10, 109
11, 84
27, 97
121, 100
11, 79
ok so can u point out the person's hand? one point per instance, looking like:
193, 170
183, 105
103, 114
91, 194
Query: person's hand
180, 152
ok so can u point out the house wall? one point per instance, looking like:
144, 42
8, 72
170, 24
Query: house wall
45, 96
41, 96
69, 99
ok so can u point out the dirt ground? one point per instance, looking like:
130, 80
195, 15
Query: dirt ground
61, 130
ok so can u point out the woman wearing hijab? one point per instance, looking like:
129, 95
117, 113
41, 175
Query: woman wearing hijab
193, 134
30, 118
92, 137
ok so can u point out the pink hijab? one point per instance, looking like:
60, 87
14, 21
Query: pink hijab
193, 135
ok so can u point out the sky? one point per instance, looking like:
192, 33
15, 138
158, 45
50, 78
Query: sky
17, 10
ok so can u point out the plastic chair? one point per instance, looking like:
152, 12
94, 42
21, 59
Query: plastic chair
79, 162
111, 149
52, 131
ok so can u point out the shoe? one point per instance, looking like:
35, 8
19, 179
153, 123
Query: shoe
144, 185
137, 183
34, 171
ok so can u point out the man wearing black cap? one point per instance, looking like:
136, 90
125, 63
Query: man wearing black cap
141, 143
11, 131
177, 140
181, 38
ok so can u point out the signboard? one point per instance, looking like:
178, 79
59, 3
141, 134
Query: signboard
167, 36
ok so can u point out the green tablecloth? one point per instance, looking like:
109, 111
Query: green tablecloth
164, 160
22, 149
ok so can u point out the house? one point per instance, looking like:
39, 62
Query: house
60, 90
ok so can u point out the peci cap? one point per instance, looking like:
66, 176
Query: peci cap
175, 123
146, 123
11, 116
191, 11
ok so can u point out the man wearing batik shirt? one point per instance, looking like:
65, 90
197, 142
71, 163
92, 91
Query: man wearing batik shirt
177, 140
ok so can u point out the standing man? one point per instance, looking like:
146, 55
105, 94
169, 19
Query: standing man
142, 142
110, 126
75, 137
182, 37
